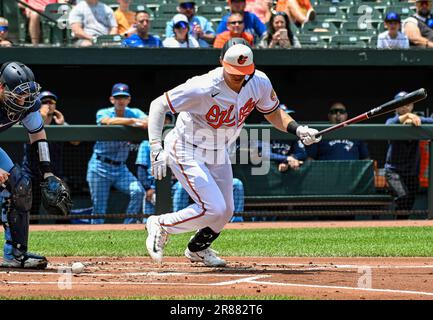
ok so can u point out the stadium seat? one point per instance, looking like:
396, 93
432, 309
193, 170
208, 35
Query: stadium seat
311, 41
402, 9
114, 40
141, 7
373, 42
362, 30
158, 27
320, 27
56, 32
347, 41
167, 10
211, 11
328, 13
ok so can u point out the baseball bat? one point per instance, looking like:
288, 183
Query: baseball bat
387, 107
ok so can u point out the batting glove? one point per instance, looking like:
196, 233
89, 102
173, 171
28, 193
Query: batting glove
307, 135
159, 161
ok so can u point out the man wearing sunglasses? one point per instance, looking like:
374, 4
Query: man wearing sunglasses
4, 32
338, 149
419, 27
235, 26
199, 27
252, 23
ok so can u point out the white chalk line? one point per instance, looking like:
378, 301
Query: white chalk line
314, 286
225, 283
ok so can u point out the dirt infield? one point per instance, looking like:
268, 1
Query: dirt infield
319, 278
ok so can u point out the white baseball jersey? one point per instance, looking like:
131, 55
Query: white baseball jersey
211, 115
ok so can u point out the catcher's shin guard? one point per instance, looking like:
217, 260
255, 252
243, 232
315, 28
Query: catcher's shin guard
16, 212
202, 239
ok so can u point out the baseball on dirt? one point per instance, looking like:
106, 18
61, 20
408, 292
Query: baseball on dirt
77, 267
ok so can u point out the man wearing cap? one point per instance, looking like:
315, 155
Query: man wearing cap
142, 38
393, 38
212, 110
199, 27
340, 149
252, 23
51, 116
419, 27
107, 166
403, 158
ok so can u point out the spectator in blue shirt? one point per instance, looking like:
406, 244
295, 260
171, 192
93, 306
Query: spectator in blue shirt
252, 23
142, 39
338, 149
107, 166
403, 159
199, 27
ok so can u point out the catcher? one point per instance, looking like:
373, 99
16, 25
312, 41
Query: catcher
19, 103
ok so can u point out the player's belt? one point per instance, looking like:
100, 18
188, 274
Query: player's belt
109, 161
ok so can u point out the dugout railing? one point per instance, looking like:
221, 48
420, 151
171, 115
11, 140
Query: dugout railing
378, 202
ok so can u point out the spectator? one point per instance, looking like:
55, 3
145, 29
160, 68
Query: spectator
393, 38
181, 38
199, 27
299, 11
90, 19
279, 34
51, 116
261, 8
235, 26
4, 32
107, 167
419, 27
34, 17
403, 159
338, 149
125, 18
142, 38
252, 23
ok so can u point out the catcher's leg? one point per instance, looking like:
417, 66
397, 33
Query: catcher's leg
15, 218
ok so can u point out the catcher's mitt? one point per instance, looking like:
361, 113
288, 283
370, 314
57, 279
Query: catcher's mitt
56, 197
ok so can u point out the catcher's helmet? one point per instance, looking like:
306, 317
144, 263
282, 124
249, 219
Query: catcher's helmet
20, 91
237, 57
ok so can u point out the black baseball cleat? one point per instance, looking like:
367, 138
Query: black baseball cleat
25, 261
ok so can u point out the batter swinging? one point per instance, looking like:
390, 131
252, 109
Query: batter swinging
212, 109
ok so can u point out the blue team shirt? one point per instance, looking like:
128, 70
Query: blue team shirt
252, 24
204, 23
115, 150
404, 156
143, 159
135, 41
31, 119
280, 150
338, 150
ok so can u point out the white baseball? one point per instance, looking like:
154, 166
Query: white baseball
77, 267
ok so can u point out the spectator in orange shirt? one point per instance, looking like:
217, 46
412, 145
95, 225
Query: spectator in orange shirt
235, 26
261, 8
125, 18
299, 11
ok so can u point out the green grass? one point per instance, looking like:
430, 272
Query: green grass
308, 242
209, 297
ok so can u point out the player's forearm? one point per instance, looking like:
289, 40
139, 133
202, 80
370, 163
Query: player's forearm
158, 109
39, 142
279, 119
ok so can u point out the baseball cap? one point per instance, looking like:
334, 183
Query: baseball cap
120, 89
392, 16
47, 94
401, 94
180, 19
238, 59
186, 1
283, 107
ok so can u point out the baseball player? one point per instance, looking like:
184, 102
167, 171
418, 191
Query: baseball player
19, 102
212, 110
107, 166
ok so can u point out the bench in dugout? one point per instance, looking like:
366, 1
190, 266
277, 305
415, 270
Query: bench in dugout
317, 187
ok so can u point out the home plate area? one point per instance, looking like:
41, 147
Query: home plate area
308, 278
